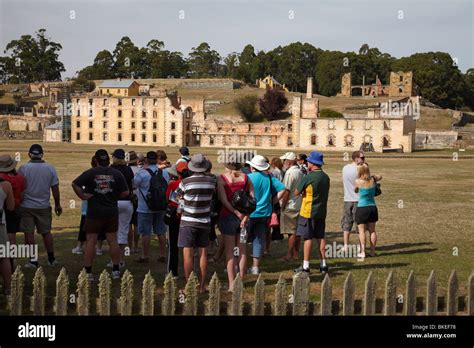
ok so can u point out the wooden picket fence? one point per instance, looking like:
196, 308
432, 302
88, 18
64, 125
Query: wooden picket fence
284, 302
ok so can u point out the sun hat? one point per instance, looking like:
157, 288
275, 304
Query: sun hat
199, 163
316, 157
258, 162
7, 163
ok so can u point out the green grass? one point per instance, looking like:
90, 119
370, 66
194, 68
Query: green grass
436, 217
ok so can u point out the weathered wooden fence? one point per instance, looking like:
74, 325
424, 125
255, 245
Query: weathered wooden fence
286, 301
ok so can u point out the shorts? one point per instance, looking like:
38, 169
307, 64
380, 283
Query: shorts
125, 209
289, 222
365, 215
151, 221
229, 225
101, 225
311, 228
348, 215
13, 219
193, 237
32, 218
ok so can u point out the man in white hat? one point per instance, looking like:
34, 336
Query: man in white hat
291, 204
268, 190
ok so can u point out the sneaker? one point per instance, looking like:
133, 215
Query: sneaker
99, 252
77, 251
90, 277
53, 263
253, 270
28, 264
116, 275
301, 269
324, 269
121, 264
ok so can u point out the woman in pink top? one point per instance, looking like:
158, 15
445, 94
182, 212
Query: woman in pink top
231, 220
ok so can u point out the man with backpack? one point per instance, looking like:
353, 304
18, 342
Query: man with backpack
151, 183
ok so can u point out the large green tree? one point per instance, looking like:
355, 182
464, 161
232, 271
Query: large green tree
437, 77
204, 61
30, 59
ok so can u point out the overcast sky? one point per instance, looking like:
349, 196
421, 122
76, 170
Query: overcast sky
398, 27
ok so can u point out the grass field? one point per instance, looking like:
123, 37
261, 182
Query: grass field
425, 211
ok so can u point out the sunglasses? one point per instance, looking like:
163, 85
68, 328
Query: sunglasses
362, 158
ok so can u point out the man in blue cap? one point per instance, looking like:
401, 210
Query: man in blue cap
314, 189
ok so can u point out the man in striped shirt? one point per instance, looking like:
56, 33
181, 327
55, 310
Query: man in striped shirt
196, 192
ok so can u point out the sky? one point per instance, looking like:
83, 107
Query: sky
401, 27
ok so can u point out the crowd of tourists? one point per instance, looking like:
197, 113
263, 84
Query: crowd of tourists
128, 197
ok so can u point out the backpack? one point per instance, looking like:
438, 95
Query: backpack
156, 196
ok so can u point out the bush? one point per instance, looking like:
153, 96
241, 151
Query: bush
272, 103
329, 113
247, 107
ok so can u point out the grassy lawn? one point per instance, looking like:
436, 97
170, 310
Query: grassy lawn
425, 211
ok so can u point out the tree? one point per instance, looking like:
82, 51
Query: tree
32, 59
83, 85
129, 59
437, 77
248, 69
103, 67
204, 62
272, 103
231, 65
247, 107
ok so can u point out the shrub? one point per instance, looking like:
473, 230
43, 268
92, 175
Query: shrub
272, 103
329, 113
247, 107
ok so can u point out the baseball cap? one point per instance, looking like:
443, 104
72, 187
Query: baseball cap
288, 156
102, 155
36, 149
119, 153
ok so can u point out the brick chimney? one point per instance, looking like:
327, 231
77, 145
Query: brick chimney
309, 88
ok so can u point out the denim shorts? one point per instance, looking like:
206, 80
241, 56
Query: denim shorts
151, 221
229, 225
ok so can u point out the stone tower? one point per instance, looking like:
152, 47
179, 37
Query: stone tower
309, 88
401, 84
346, 85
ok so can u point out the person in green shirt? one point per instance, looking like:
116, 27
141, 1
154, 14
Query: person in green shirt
314, 189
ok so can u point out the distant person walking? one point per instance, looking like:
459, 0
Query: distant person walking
268, 190
103, 187
7, 202
349, 177
197, 192
35, 210
291, 205
366, 213
314, 188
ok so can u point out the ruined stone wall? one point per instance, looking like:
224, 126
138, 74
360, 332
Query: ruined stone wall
435, 140
210, 84
346, 85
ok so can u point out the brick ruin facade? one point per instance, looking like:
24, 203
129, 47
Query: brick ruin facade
401, 85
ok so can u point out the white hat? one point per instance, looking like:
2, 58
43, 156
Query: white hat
289, 156
259, 163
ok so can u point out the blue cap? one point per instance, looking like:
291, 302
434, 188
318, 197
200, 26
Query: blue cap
316, 157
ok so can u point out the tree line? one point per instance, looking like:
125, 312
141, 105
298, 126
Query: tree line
36, 58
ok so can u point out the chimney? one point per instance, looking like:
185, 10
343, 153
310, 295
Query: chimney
309, 88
